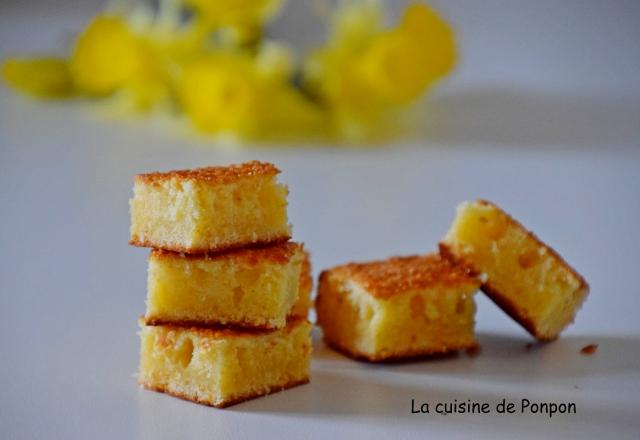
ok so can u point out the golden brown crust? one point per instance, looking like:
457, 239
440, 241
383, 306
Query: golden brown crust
277, 253
385, 278
217, 331
447, 253
511, 308
238, 327
223, 247
306, 281
226, 403
407, 356
213, 174
550, 251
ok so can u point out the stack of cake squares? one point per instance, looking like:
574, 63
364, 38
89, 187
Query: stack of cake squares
228, 293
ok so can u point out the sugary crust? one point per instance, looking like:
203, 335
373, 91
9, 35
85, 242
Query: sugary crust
406, 356
216, 331
278, 253
223, 247
447, 254
386, 278
230, 402
214, 174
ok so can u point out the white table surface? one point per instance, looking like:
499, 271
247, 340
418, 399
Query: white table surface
543, 117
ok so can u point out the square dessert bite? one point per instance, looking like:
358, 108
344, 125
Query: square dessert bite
521, 274
252, 287
209, 209
223, 367
399, 308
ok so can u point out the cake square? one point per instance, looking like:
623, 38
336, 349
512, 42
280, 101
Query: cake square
250, 287
223, 367
399, 308
521, 274
209, 209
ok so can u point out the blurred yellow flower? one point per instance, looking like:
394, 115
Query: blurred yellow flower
249, 96
221, 93
245, 17
46, 77
434, 35
363, 71
288, 115
106, 55
216, 68
151, 83
353, 25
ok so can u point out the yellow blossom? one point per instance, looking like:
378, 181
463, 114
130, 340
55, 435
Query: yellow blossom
221, 93
364, 71
233, 92
106, 56
434, 35
244, 17
46, 77
151, 84
288, 115
401, 64
274, 62
353, 26
395, 68
216, 69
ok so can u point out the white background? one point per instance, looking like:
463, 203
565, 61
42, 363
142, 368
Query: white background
542, 117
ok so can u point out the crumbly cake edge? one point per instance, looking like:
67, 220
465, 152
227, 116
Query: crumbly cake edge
226, 403
225, 247
217, 331
408, 356
279, 252
245, 326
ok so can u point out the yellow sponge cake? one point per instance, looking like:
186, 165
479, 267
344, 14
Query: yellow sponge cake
302, 305
521, 274
223, 367
398, 308
209, 209
251, 287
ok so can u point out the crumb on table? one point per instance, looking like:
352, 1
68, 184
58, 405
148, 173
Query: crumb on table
589, 349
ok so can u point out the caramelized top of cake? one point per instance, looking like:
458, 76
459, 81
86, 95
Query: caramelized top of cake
214, 174
385, 278
222, 332
276, 253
